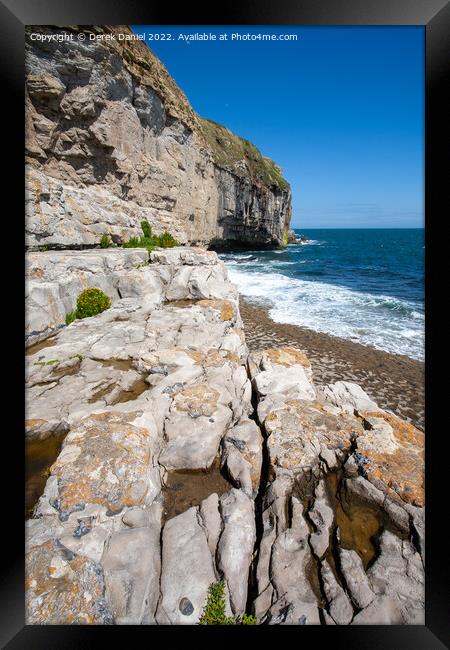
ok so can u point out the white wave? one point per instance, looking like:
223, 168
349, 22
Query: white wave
384, 322
310, 242
283, 263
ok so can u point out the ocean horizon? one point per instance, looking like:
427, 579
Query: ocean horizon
361, 284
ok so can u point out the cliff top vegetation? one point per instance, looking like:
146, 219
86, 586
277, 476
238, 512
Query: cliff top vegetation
229, 150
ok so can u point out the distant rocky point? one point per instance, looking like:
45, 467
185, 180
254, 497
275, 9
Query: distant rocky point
292, 238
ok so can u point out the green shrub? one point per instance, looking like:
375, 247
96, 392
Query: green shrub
70, 317
105, 241
133, 242
166, 240
148, 242
214, 609
91, 302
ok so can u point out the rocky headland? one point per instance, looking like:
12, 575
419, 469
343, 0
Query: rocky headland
163, 456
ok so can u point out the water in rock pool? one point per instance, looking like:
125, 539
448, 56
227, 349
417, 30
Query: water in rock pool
39, 457
363, 285
360, 523
187, 488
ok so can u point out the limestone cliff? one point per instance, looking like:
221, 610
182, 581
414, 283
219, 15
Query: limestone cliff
111, 140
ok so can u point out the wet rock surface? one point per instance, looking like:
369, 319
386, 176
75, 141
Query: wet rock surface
185, 461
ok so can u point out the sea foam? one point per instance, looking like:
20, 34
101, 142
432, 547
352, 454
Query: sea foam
382, 321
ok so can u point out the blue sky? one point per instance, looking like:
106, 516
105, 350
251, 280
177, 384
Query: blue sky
341, 110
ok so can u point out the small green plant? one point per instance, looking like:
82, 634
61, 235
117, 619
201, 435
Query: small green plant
105, 242
166, 240
148, 240
133, 242
285, 239
52, 361
146, 229
248, 619
44, 248
70, 317
91, 302
214, 609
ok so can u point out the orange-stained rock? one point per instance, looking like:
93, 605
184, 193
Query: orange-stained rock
104, 460
63, 589
393, 460
226, 308
33, 423
40, 429
300, 431
214, 358
287, 357
196, 400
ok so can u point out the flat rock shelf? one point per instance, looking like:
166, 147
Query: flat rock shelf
164, 456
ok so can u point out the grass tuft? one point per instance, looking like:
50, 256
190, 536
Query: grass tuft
150, 241
105, 242
70, 317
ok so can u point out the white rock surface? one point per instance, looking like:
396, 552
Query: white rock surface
355, 577
339, 604
348, 396
187, 570
236, 544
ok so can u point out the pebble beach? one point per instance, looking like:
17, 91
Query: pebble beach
394, 381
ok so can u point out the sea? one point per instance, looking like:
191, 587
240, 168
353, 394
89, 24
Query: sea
363, 285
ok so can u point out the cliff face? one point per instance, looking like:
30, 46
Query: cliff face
112, 140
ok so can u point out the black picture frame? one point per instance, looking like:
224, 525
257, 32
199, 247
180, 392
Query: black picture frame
435, 16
